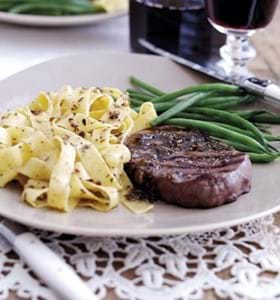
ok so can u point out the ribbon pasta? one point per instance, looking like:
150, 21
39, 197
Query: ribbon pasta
67, 149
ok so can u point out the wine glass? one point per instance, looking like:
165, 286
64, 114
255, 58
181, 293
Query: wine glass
239, 19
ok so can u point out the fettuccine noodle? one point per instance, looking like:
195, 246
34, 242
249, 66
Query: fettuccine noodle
67, 149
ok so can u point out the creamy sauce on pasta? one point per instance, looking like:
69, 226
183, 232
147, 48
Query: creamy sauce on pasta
67, 148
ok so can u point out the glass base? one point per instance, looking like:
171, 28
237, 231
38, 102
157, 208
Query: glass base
235, 72
237, 52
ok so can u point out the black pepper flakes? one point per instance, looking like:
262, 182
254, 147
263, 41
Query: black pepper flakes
114, 115
85, 147
43, 197
134, 194
82, 134
74, 107
34, 112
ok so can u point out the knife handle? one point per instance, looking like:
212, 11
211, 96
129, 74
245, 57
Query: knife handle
272, 91
263, 88
51, 268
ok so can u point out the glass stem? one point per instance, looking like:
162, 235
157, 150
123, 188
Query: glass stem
237, 52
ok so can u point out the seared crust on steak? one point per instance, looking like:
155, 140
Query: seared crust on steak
187, 167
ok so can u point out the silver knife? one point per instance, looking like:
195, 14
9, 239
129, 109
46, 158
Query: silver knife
59, 276
254, 85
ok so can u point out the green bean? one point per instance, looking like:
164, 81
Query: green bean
167, 105
50, 11
197, 114
266, 118
271, 138
268, 137
272, 148
135, 102
225, 105
145, 86
5, 6
231, 103
262, 158
141, 97
10, 1
193, 116
72, 7
211, 87
264, 128
136, 108
254, 157
248, 133
180, 106
226, 99
235, 145
234, 128
248, 113
135, 92
230, 118
219, 132
261, 116
213, 102
162, 107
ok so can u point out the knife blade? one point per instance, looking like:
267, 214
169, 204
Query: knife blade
260, 87
58, 275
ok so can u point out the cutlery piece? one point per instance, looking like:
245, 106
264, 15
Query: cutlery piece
45, 263
254, 85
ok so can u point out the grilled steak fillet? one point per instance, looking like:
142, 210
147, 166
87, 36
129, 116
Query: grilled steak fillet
187, 167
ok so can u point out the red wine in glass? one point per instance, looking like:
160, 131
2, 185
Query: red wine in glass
239, 19
241, 14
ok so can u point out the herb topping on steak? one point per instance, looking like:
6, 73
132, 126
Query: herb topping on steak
187, 167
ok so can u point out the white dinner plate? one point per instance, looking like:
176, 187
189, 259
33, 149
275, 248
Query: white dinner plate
55, 21
113, 69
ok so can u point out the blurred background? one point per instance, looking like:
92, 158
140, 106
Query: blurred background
179, 26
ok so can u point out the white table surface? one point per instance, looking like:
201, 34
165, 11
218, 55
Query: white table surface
21, 47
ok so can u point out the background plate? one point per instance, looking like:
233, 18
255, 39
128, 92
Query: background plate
112, 69
55, 21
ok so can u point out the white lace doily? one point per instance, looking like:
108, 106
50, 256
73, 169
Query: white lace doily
237, 263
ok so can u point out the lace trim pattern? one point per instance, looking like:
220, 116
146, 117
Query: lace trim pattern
237, 263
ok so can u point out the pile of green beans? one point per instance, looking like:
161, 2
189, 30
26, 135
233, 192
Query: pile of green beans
212, 108
51, 7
